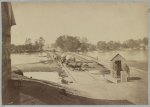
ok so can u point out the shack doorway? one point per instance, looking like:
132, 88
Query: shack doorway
118, 67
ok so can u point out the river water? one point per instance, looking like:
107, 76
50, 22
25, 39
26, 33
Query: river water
129, 55
135, 57
27, 58
139, 60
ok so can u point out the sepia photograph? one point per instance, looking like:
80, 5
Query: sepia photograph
74, 53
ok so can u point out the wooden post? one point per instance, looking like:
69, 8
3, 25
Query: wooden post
7, 22
124, 76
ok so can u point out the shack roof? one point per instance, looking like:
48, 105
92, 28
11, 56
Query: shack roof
118, 55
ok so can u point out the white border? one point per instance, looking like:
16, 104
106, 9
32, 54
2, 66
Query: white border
66, 1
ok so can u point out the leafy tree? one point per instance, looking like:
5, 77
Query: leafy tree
92, 47
117, 45
131, 43
36, 45
84, 40
28, 41
145, 41
102, 45
68, 43
28, 44
110, 45
84, 47
41, 43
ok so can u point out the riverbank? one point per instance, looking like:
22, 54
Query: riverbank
43, 93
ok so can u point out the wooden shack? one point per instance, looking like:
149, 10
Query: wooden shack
118, 62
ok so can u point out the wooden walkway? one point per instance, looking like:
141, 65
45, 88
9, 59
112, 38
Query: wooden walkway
81, 77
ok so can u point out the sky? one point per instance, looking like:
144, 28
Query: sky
95, 21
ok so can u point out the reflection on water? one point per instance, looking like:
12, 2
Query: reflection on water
135, 55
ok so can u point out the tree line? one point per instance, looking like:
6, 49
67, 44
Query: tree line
128, 44
29, 46
74, 44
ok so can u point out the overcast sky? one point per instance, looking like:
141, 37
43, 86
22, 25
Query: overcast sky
96, 21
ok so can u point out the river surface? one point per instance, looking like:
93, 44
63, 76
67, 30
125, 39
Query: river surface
134, 58
137, 58
130, 55
27, 58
